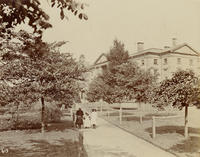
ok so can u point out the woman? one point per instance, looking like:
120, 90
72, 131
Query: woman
79, 118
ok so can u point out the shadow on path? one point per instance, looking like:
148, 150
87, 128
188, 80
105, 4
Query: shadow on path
60, 126
42, 148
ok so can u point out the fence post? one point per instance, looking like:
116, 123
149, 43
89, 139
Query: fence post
101, 106
153, 127
108, 114
140, 118
71, 113
120, 114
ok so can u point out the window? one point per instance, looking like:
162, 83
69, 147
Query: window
178, 68
104, 67
155, 61
155, 71
179, 60
142, 62
165, 61
165, 69
191, 62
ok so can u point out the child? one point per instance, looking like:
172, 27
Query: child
87, 123
94, 118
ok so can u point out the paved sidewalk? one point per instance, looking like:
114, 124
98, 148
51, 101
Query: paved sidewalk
108, 140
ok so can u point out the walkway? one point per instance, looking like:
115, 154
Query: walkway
110, 141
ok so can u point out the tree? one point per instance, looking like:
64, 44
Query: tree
117, 54
39, 72
145, 82
123, 80
182, 90
14, 12
103, 85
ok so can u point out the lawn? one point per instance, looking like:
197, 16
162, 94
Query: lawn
59, 140
169, 132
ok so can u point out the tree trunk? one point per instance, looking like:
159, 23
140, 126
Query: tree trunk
17, 113
42, 115
186, 121
140, 105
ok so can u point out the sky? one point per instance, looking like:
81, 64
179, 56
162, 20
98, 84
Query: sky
154, 22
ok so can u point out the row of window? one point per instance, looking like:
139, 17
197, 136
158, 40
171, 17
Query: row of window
155, 61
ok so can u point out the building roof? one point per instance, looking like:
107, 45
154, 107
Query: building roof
173, 49
184, 49
101, 59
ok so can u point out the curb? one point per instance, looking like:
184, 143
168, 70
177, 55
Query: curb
126, 130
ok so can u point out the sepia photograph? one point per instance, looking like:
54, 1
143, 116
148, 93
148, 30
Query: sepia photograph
99, 78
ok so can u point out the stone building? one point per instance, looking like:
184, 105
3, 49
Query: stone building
163, 62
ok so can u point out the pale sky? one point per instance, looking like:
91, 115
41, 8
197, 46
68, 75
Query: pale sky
154, 22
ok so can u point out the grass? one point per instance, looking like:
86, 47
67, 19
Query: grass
173, 129
192, 144
116, 113
59, 140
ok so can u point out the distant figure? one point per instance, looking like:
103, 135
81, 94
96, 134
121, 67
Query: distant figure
62, 107
94, 118
79, 118
87, 120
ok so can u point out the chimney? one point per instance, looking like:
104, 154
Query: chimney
174, 40
140, 46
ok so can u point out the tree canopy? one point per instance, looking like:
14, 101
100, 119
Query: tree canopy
117, 54
35, 70
122, 80
180, 91
14, 12
36, 67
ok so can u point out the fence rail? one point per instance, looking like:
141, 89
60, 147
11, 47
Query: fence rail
121, 111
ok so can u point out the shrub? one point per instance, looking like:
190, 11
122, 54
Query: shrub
31, 121
3, 110
52, 114
5, 124
23, 124
52, 111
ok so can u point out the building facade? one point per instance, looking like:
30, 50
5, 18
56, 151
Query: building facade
161, 62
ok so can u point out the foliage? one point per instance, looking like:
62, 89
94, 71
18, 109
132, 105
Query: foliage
52, 114
32, 121
52, 111
144, 83
123, 80
117, 54
97, 90
38, 71
14, 12
181, 90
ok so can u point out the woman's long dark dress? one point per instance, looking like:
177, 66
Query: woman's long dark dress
79, 119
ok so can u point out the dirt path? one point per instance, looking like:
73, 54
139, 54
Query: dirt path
110, 141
